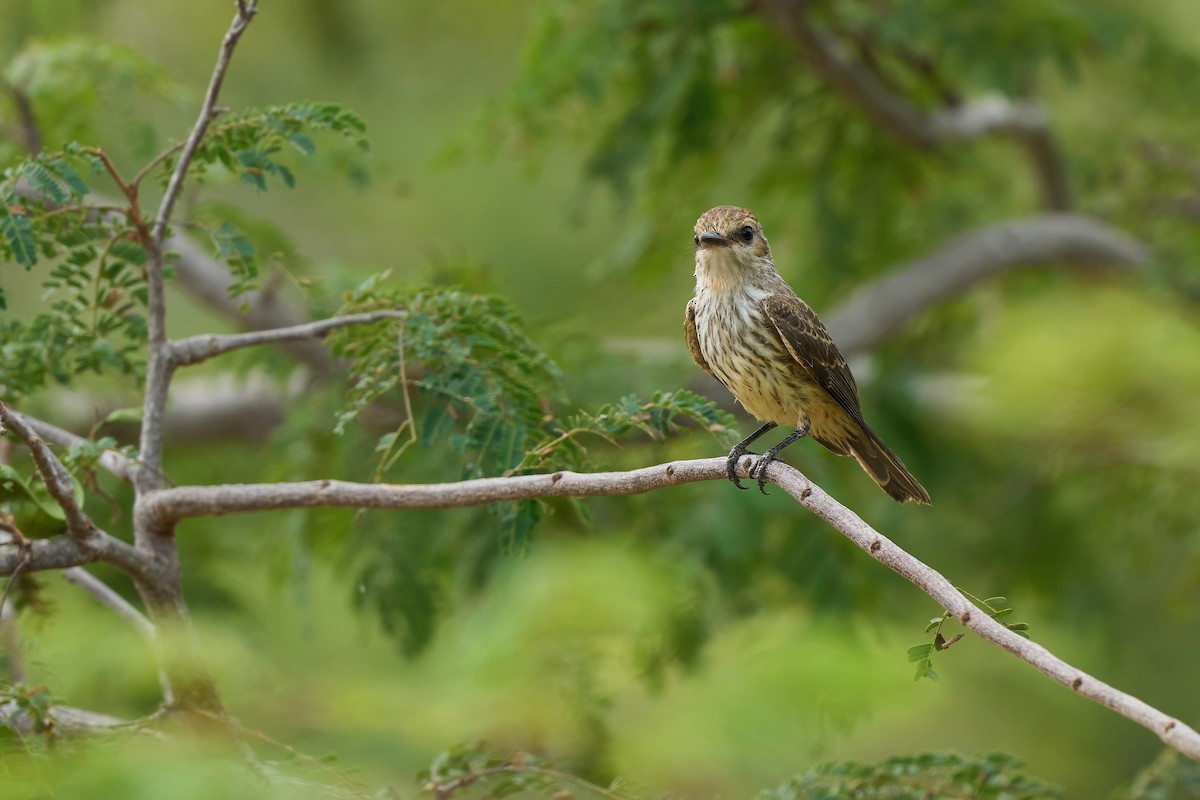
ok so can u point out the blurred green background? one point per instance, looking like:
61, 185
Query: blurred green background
698, 641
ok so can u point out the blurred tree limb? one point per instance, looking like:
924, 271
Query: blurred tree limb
880, 308
991, 115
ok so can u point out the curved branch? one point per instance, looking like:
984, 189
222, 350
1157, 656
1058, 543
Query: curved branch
196, 349
893, 113
878, 309
165, 507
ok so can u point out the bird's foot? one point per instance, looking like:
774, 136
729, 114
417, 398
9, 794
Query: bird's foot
731, 465
758, 470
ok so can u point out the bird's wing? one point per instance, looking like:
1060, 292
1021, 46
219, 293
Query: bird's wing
813, 348
693, 341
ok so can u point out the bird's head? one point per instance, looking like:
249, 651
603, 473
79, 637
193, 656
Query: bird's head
730, 242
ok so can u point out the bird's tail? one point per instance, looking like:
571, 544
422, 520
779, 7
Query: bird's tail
886, 469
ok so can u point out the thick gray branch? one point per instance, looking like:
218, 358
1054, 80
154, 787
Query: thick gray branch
893, 113
878, 309
195, 349
61, 552
165, 507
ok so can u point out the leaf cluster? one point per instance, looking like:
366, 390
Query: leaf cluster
469, 357
31, 703
96, 285
928, 776
921, 654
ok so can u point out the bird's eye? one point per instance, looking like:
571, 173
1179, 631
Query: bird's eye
746, 234
697, 240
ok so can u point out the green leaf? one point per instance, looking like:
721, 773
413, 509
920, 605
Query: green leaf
44, 181
920, 651
128, 416
67, 175
19, 233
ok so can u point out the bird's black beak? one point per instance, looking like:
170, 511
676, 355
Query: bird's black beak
713, 239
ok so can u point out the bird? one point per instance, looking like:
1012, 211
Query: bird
747, 328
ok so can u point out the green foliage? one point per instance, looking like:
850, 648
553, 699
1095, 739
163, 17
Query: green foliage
474, 770
32, 705
252, 144
1171, 776
489, 391
73, 83
95, 286
468, 353
930, 776
27, 501
996, 607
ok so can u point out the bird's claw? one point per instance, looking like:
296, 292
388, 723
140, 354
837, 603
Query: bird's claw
758, 471
731, 466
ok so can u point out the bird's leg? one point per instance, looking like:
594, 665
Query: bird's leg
758, 470
740, 449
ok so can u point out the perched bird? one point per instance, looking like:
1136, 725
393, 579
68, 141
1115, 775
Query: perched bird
749, 330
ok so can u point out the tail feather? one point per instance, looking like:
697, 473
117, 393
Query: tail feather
886, 469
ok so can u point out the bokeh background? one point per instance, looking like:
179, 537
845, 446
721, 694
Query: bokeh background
697, 641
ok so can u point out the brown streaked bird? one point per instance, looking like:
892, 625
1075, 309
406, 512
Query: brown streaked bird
749, 330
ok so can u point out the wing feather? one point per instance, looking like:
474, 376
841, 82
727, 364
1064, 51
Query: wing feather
813, 348
693, 340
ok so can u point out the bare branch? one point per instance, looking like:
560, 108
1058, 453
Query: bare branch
110, 460
55, 475
61, 552
208, 112
165, 507
160, 366
878, 309
104, 593
67, 719
208, 280
893, 113
196, 349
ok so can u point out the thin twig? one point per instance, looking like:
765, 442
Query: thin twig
57, 479
104, 593
160, 367
196, 349
208, 111
166, 507
111, 460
